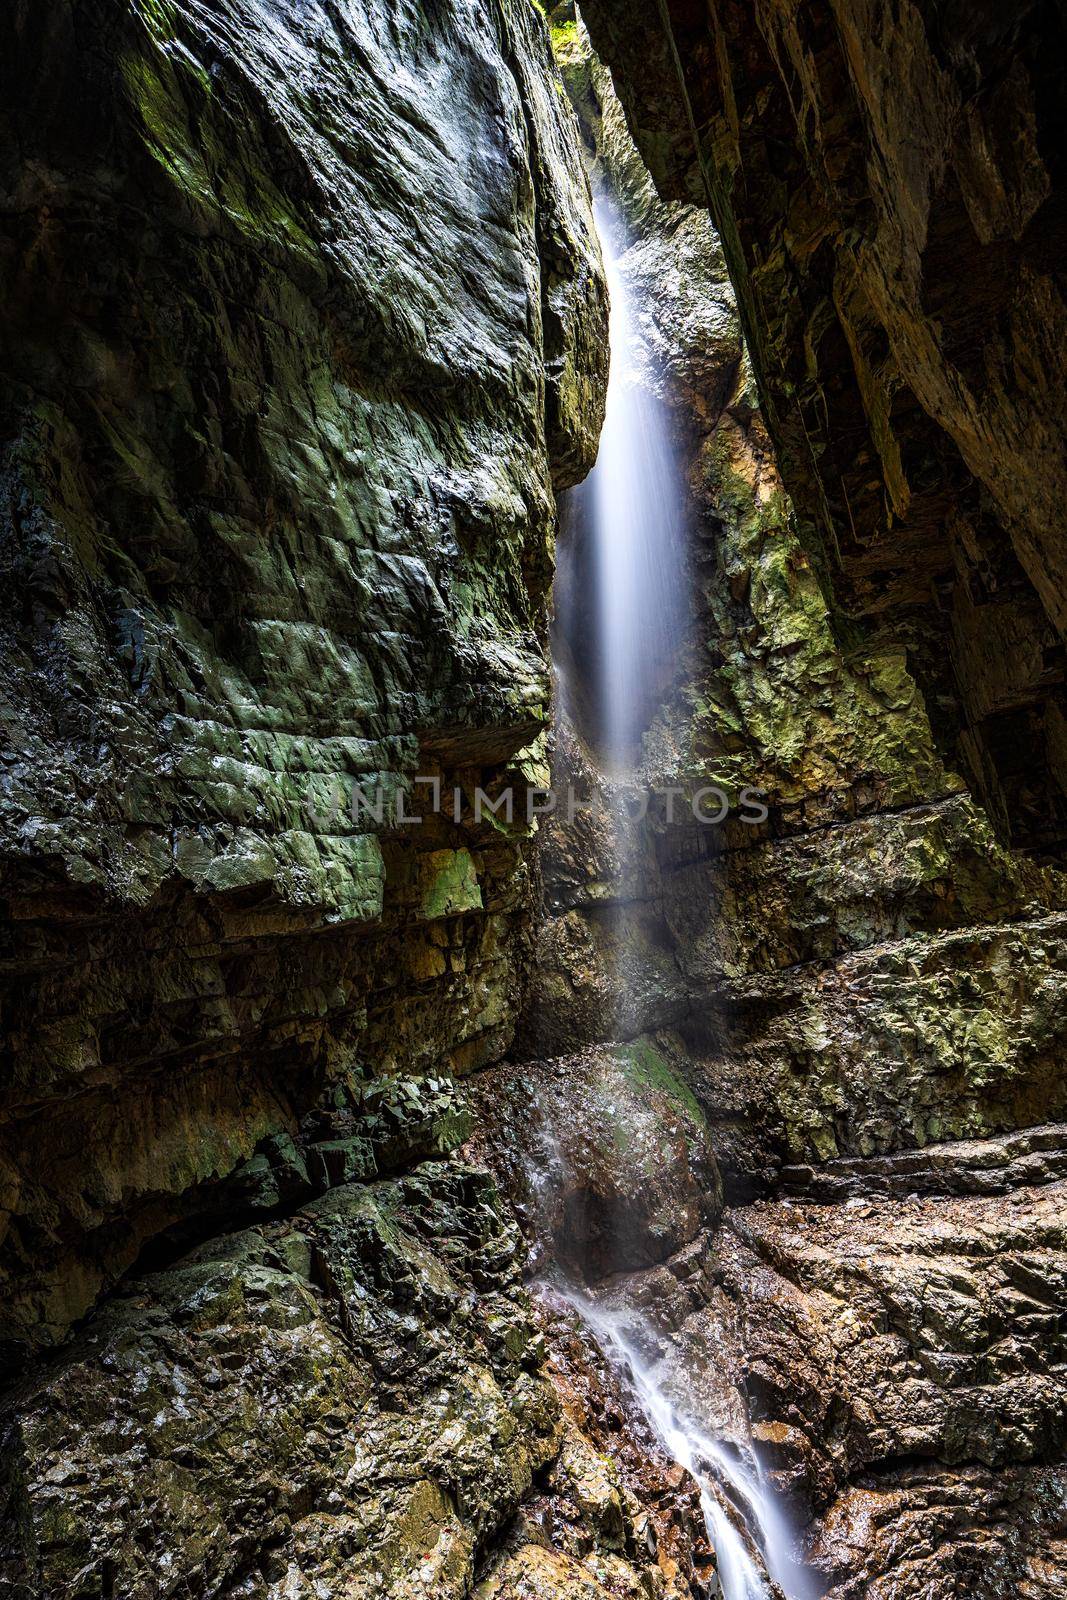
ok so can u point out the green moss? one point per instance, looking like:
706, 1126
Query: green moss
785, 710
448, 883
210, 175
159, 17
166, 131
646, 1068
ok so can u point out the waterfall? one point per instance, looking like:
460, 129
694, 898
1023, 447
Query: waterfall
627, 546
631, 512
746, 1524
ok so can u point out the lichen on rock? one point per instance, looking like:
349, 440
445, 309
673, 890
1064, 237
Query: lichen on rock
304, 320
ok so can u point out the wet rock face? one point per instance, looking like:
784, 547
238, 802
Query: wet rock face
866, 994
870, 969
890, 1340
303, 323
888, 185
302, 329
605, 1154
349, 1397
614, 1473
904, 1361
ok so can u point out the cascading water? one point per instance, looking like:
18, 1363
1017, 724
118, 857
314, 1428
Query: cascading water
630, 509
627, 521
730, 1478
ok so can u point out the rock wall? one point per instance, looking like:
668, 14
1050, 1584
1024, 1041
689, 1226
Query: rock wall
888, 184
302, 332
864, 997
348, 1400
869, 969
303, 322
898, 1363
304, 326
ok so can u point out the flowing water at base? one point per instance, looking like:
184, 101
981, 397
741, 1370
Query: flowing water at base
746, 1523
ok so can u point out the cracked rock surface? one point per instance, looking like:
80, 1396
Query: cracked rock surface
303, 323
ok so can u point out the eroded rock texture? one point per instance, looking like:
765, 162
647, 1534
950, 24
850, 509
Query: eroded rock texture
347, 1402
606, 1155
910, 1382
866, 994
302, 323
868, 970
888, 184
302, 331
885, 1336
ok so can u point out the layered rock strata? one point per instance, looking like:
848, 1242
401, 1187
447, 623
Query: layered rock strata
865, 996
303, 329
868, 970
909, 1382
886, 1335
303, 324
350, 1400
888, 184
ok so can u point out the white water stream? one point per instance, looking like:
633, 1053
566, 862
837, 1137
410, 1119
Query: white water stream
729, 1475
632, 508
635, 508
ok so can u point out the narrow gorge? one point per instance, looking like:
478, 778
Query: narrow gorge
533, 800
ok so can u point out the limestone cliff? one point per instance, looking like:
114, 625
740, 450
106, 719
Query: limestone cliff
869, 969
865, 996
302, 322
303, 332
303, 328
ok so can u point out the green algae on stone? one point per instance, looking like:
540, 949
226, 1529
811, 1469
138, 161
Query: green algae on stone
448, 883
644, 1063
